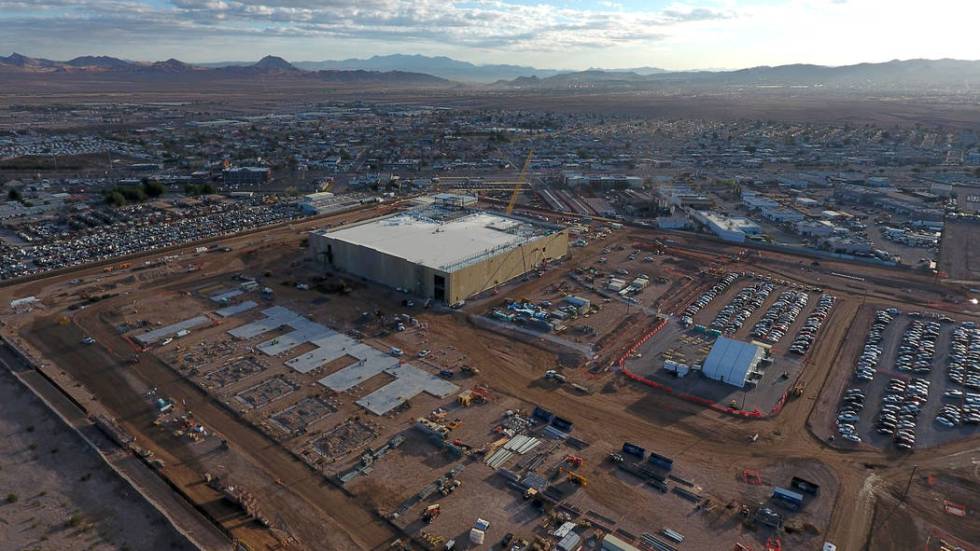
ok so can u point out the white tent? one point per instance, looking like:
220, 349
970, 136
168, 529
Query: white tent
730, 361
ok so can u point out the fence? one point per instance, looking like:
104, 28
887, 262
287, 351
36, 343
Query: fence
754, 414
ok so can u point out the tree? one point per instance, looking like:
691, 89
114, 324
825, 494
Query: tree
15, 195
976, 172
115, 198
152, 188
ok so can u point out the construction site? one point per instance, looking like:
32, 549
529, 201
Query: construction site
598, 386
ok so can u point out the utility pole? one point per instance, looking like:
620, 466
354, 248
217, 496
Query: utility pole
909, 485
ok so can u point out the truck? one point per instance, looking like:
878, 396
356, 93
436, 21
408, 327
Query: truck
554, 376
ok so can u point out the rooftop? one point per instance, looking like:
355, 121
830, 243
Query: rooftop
441, 239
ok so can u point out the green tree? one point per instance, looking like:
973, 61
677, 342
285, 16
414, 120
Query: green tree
152, 188
15, 195
115, 198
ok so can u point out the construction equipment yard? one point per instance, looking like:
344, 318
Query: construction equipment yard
300, 408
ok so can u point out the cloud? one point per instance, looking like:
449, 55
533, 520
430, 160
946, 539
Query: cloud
494, 24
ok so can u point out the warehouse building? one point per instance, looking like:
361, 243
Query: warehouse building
441, 252
732, 362
729, 228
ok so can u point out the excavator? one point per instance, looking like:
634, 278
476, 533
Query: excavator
431, 513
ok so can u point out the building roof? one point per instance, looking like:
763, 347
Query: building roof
730, 361
442, 244
612, 543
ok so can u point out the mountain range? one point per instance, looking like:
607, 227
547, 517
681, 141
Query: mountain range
440, 66
416, 71
914, 75
269, 67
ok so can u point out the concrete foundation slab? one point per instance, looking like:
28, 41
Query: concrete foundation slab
353, 375
409, 382
151, 337
236, 309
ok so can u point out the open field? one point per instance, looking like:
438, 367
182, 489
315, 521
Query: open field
959, 256
58, 494
244, 413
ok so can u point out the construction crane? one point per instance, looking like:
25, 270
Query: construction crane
522, 180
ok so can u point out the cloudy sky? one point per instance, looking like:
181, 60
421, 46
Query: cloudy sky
566, 34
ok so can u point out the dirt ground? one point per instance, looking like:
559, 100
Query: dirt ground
58, 494
959, 256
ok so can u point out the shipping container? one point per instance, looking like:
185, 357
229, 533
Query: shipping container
542, 414
634, 450
788, 498
805, 486
661, 461
561, 424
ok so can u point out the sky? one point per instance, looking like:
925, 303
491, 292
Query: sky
559, 34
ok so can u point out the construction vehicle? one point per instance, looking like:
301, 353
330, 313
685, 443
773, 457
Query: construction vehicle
476, 395
554, 376
434, 541
797, 391
450, 487
469, 370
531, 493
774, 544
431, 513
574, 477
573, 461
521, 182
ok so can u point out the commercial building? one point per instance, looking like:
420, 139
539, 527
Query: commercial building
602, 181
731, 361
246, 176
440, 252
729, 228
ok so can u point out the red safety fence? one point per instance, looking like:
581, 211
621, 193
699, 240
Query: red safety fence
755, 414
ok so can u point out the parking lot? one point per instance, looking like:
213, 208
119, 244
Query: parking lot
747, 307
106, 233
900, 395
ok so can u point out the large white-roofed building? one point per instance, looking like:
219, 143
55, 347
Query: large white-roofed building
445, 253
731, 361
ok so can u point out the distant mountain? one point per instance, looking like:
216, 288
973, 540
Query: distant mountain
169, 66
439, 66
638, 70
269, 67
101, 61
273, 63
21, 61
908, 75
